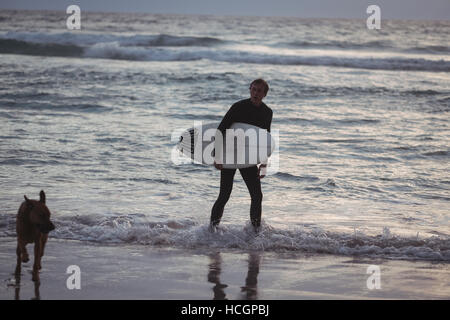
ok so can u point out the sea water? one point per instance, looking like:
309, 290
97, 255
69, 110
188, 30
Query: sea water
90, 117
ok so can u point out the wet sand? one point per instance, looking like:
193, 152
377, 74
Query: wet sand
163, 273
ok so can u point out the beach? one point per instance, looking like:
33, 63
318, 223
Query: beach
356, 196
161, 273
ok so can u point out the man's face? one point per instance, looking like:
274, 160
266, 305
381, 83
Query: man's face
257, 93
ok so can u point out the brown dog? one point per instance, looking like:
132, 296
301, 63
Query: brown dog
33, 225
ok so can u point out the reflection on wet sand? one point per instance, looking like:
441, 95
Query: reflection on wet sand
249, 291
16, 285
215, 268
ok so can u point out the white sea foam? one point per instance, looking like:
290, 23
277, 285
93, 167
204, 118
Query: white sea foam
191, 234
113, 50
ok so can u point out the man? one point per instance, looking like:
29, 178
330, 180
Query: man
252, 111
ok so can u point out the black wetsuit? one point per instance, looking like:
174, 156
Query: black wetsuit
260, 116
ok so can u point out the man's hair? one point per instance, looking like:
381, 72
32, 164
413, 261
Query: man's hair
263, 82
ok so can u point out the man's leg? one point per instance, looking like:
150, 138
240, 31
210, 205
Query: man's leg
226, 185
253, 183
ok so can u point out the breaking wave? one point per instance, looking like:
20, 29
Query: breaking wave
368, 45
88, 39
191, 234
181, 48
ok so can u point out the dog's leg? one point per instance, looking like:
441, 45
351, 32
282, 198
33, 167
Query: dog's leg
37, 295
44, 238
19, 260
22, 246
37, 259
17, 289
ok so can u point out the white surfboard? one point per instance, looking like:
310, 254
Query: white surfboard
243, 145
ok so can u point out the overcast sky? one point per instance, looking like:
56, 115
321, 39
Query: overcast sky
390, 9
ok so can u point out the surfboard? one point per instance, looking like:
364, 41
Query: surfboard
243, 145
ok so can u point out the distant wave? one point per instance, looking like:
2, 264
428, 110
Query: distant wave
186, 233
191, 116
337, 44
291, 177
369, 45
431, 49
88, 39
37, 105
146, 48
39, 49
438, 153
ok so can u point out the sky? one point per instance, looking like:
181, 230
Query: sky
390, 9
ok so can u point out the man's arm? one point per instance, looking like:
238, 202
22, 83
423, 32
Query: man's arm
228, 119
269, 120
226, 122
263, 166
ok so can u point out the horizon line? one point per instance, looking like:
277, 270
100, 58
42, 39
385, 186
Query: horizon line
230, 15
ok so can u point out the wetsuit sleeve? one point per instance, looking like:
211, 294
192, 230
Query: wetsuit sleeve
226, 122
228, 119
269, 121
267, 127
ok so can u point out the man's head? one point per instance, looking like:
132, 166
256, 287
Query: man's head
258, 90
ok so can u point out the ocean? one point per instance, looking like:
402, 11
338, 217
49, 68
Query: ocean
91, 116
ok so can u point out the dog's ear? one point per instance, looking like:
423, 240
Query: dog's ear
28, 201
42, 196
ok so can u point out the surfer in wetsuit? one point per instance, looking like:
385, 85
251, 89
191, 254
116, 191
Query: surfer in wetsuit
255, 112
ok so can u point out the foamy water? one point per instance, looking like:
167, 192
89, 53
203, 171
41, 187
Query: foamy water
362, 115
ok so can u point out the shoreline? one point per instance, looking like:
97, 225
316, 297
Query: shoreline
162, 273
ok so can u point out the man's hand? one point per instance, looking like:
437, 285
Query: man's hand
263, 167
218, 166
